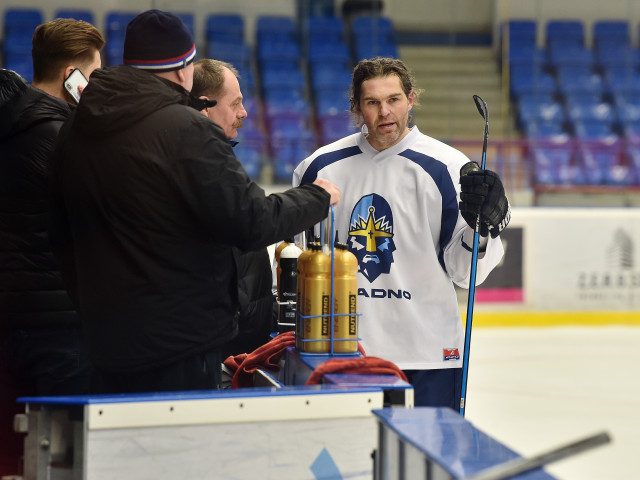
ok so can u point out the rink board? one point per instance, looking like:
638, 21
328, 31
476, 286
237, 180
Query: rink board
292, 432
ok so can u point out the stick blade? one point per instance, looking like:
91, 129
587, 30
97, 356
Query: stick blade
482, 106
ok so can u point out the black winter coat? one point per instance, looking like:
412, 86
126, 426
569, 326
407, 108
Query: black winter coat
149, 203
32, 294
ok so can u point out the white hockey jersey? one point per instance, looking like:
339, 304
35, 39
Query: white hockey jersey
399, 215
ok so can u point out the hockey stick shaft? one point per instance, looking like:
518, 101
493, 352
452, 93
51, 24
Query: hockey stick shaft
482, 108
518, 466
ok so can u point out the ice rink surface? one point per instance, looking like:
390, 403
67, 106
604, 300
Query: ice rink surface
534, 389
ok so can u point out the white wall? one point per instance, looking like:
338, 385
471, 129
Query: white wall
579, 259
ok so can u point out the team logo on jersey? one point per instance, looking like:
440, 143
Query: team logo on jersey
450, 354
371, 236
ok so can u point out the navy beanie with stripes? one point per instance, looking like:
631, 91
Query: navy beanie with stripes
158, 42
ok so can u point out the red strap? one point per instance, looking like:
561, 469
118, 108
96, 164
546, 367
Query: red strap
363, 365
265, 357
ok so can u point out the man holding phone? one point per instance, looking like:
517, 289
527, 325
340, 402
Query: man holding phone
149, 201
41, 350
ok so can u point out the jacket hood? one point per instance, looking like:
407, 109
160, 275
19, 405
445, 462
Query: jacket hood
22, 105
120, 96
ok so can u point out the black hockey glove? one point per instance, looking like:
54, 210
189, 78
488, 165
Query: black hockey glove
482, 193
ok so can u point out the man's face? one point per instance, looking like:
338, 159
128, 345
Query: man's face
385, 110
229, 111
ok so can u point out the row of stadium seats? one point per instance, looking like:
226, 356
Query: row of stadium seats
577, 104
295, 78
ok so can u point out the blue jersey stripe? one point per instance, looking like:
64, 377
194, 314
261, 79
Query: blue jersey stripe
326, 159
440, 175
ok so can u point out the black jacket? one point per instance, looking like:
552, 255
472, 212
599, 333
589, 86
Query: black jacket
32, 294
256, 321
149, 201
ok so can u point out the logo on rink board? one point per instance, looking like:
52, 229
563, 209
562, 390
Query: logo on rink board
451, 354
371, 236
619, 279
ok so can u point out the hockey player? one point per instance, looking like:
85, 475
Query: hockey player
410, 225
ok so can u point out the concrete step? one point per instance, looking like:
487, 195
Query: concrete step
462, 95
447, 70
453, 81
466, 126
450, 76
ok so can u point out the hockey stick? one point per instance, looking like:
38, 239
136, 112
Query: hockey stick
482, 108
518, 466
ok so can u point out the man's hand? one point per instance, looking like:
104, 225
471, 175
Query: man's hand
333, 190
482, 193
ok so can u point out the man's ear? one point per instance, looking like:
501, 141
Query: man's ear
67, 71
181, 76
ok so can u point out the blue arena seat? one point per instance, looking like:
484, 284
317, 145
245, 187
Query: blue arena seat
287, 79
288, 148
521, 32
564, 32
554, 162
21, 21
612, 32
331, 79
22, 65
369, 25
532, 107
77, 14
276, 28
225, 28
328, 55
628, 107
251, 160
375, 49
247, 80
622, 80
116, 22
331, 101
334, 127
115, 28
546, 130
324, 30
239, 55
372, 35
19, 25
526, 55
610, 55
592, 129
16, 47
577, 79
589, 109
570, 55
280, 52
280, 104
522, 82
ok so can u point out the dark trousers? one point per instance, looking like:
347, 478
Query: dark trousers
436, 388
49, 361
37, 362
199, 372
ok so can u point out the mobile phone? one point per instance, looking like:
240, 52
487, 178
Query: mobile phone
74, 80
